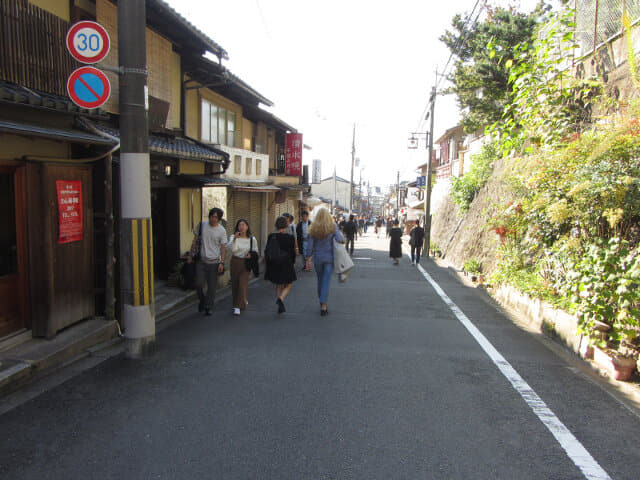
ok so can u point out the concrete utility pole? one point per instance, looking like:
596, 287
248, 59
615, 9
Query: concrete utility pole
427, 200
136, 251
398, 195
353, 159
335, 199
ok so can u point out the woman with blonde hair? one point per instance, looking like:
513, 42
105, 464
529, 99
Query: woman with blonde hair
322, 232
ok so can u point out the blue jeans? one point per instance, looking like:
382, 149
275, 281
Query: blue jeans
324, 271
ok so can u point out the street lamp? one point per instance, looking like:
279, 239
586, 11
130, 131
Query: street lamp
413, 144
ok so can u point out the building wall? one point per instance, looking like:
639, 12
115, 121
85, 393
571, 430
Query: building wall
325, 189
163, 65
239, 158
60, 8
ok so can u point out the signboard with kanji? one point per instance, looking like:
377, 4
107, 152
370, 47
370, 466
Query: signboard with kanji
421, 181
69, 194
317, 169
293, 155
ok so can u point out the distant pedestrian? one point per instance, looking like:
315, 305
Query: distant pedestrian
361, 226
320, 247
208, 250
239, 247
350, 230
395, 244
415, 241
291, 230
389, 225
302, 232
378, 227
280, 257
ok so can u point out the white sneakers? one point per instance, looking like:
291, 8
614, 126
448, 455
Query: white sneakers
236, 311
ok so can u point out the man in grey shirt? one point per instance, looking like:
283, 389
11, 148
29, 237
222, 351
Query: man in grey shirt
209, 243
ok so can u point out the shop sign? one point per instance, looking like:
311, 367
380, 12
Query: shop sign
293, 155
69, 210
315, 176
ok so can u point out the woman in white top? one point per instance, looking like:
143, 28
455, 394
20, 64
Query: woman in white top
240, 244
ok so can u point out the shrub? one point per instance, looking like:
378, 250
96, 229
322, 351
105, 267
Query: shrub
465, 188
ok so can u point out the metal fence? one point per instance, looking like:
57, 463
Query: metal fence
597, 21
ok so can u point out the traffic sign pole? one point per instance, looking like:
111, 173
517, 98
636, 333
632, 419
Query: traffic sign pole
136, 252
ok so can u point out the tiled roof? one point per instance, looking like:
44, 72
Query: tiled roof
174, 146
12, 93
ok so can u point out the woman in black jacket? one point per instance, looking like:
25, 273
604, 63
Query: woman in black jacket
395, 245
281, 270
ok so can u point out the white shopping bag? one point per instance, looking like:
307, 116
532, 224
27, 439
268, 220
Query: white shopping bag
342, 262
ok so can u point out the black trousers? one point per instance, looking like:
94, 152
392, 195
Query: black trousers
415, 253
349, 245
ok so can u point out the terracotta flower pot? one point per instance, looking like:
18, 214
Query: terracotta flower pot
620, 368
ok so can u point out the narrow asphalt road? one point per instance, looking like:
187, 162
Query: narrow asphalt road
390, 385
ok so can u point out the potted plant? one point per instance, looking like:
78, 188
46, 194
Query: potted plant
472, 267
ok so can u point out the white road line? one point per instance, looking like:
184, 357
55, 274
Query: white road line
575, 450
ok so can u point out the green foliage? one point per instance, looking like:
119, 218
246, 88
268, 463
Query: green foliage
472, 266
572, 237
481, 75
547, 102
465, 188
604, 285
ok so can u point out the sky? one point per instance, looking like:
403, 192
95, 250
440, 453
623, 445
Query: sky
329, 65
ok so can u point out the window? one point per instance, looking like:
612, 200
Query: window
248, 167
206, 123
218, 125
258, 167
231, 128
237, 164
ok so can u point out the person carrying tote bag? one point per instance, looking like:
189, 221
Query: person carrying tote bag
342, 263
241, 245
323, 232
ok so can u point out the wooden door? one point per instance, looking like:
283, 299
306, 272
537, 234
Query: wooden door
13, 268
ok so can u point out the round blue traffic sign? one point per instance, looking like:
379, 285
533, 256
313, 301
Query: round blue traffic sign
88, 87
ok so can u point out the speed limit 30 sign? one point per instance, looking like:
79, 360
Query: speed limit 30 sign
88, 42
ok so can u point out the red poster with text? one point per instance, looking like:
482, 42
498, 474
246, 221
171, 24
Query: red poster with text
293, 155
69, 210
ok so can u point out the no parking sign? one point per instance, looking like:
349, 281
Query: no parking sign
88, 87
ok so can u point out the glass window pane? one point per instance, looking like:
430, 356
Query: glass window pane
214, 124
231, 129
222, 127
205, 134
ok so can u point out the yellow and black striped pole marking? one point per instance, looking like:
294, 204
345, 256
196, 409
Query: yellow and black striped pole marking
141, 261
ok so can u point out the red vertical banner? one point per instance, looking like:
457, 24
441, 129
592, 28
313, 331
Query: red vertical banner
293, 155
69, 210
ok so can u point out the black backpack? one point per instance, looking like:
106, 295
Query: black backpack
272, 252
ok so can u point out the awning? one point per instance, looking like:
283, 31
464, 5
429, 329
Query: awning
262, 189
67, 135
419, 204
196, 181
